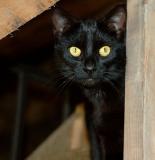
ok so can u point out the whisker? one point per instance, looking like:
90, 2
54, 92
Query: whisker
112, 84
64, 84
114, 72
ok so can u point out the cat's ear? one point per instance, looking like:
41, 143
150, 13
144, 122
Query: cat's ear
61, 22
116, 20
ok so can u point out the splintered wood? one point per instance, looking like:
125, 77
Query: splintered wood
140, 85
14, 13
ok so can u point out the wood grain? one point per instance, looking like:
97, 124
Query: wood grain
140, 86
14, 13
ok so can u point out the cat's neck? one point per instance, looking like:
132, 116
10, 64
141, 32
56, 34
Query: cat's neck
95, 95
94, 92
103, 96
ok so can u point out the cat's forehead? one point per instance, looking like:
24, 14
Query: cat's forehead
89, 26
90, 31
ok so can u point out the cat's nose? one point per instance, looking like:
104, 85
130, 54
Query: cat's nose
89, 66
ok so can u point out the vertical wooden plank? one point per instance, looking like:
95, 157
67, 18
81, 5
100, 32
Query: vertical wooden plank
140, 86
149, 99
14, 13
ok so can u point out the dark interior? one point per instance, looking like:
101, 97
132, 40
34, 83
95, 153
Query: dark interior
30, 49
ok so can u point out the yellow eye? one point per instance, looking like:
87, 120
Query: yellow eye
104, 51
75, 51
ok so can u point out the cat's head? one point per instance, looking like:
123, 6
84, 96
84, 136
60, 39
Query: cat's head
90, 52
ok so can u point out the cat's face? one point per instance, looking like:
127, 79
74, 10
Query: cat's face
88, 52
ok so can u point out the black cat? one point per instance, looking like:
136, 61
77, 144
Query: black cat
91, 54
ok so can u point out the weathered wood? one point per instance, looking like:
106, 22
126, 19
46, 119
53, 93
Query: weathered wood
14, 13
140, 86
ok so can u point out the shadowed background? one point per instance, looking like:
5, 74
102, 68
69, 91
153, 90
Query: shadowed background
31, 45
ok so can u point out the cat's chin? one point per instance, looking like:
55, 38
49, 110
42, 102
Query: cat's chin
89, 83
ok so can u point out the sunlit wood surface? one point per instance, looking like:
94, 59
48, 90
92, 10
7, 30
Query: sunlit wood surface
14, 13
140, 85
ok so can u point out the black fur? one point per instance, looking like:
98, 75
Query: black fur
103, 84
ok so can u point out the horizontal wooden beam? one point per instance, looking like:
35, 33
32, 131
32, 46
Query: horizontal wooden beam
14, 13
140, 85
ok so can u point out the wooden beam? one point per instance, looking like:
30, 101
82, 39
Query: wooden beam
140, 84
14, 13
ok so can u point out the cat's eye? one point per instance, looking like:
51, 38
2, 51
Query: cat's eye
104, 51
75, 51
